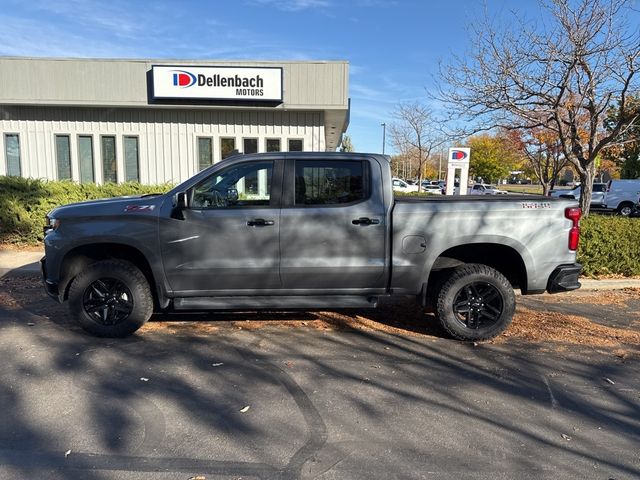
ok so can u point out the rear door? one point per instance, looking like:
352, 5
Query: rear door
332, 226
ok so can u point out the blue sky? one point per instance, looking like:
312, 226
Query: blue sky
393, 47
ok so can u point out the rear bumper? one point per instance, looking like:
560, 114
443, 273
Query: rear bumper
49, 287
564, 278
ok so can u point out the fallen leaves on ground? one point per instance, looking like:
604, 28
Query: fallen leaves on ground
532, 326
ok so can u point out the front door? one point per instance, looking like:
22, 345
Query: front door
227, 240
332, 227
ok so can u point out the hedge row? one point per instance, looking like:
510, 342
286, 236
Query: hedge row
25, 202
608, 245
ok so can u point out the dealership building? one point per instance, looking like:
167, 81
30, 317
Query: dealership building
157, 121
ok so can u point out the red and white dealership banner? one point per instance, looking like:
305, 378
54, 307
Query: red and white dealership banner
217, 83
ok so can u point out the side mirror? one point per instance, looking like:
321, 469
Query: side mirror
182, 201
232, 195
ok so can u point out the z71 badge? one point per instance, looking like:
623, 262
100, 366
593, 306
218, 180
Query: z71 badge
139, 208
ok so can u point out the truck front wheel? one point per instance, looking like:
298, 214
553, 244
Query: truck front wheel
111, 298
476, 302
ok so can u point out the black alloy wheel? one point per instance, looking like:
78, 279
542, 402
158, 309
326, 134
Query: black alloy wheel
474, 302
478, 305
107, 301
111, 298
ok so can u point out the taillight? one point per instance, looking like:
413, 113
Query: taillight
574, 214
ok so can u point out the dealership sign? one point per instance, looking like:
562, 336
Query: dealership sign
459, 156
217, 83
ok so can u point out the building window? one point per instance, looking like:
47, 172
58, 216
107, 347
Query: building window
273, 145
227, 146
250, 145
109, 165
85, 158
12, 154
205, 153
131, 160
295, 145
329, 182
63, 157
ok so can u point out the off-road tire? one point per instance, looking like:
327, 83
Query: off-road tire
458, 288
133, 292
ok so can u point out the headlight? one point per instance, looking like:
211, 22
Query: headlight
52, 224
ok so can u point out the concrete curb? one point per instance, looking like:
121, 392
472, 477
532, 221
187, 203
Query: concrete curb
28, 263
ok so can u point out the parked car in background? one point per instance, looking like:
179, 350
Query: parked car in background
598, 197
433, 189
485, 189
622, 195
402, 186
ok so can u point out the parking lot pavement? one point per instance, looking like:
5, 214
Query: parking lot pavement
280, 396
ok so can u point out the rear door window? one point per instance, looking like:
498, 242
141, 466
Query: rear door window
326, 182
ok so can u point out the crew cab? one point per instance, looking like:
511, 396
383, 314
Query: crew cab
306, 231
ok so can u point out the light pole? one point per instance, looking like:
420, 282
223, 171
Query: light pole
384, 135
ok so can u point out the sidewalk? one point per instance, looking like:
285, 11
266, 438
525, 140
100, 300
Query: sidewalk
28, 263
20, 262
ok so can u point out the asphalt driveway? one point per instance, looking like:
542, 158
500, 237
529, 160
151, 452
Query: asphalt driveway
250, 396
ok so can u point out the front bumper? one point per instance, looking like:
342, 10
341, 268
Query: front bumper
49, 287
564, 278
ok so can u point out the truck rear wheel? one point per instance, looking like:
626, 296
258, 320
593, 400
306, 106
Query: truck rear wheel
476, 302
111, 298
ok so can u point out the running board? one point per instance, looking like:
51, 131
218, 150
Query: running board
274, 302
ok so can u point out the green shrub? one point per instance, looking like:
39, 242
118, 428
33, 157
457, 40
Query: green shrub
24, 203
610, 245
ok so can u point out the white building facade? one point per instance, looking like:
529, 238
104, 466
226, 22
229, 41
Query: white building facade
152, 121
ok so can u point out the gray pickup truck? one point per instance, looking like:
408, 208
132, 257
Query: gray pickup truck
306, 231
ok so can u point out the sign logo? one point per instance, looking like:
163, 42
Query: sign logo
458, 155
182, 78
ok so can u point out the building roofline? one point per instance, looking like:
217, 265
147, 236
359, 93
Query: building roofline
168, 60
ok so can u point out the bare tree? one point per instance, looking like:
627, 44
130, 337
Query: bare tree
415, 134
563, 76
544, 155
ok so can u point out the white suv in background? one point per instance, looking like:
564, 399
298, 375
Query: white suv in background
622, 195
598, 195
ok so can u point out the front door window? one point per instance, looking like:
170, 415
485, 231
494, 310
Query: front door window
244, 185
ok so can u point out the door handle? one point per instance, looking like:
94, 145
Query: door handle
259, 222
365, 221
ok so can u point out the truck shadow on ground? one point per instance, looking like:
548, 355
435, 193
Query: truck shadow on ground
311, 395
402, 316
